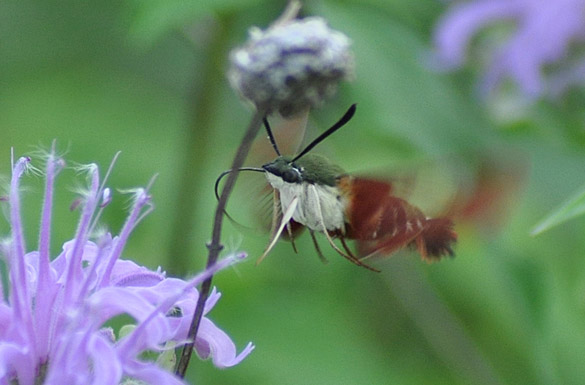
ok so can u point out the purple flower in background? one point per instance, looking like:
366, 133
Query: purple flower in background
535, 55
52, 313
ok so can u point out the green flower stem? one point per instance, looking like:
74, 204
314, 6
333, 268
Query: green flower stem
215, 245
196, 145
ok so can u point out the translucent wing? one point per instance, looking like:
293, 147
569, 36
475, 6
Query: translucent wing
419, 209
383, 223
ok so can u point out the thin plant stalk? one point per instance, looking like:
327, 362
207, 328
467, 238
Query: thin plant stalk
196, 146
215, 245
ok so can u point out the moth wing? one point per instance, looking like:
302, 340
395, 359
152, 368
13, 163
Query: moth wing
382, 223
418, 209
478, 191
250, 207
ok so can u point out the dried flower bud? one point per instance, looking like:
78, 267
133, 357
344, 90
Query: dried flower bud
292, 65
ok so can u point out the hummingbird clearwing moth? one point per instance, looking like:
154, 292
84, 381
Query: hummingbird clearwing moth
311, 192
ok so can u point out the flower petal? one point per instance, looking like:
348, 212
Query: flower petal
212, 341
106, 369
151, 374
462, 21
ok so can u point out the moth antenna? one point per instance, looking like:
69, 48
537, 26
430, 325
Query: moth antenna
340, 123
270, 136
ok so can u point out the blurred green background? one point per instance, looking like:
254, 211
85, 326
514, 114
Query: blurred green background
148, 78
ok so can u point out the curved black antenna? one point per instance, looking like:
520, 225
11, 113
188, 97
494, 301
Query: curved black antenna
220, 177
344, 119
270, 136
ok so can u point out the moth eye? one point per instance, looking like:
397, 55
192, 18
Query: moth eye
290, 176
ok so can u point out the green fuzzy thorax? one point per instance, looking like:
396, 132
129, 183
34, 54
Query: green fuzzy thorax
314, 169
318, 169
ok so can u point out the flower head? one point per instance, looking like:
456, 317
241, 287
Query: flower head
292, 65
543, 32
53, 313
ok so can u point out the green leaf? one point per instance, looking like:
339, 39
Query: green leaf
125, 330
167, 359
572, 208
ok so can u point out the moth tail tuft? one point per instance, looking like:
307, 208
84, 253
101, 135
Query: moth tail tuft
436, 239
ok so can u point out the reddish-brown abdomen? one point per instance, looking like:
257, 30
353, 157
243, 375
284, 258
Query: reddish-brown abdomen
383, 224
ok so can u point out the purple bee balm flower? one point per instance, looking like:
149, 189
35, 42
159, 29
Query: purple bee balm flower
543, 32
52, 314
